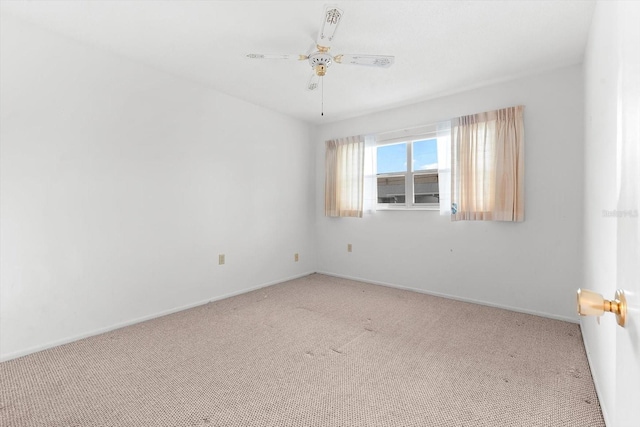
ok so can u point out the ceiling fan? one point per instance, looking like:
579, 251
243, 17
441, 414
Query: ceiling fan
320, 59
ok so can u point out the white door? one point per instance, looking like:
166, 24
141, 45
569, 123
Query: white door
627, 399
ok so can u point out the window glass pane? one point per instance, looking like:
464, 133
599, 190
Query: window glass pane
425, 155
391, 189
425, 188
392, 158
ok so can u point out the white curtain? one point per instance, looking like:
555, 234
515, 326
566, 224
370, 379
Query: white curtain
443, 134
370, 177
487, 166
344, 177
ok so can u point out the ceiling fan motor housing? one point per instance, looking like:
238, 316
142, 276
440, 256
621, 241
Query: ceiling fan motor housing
319, 62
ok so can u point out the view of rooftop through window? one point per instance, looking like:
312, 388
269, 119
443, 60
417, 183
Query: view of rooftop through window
392, 170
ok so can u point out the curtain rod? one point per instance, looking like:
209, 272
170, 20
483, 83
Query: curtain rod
416, 129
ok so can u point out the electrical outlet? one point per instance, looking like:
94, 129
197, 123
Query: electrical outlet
220, 259
349, 247
295, 257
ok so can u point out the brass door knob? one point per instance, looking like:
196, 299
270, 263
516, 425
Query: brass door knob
593, 304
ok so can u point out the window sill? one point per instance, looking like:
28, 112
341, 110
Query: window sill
408, 208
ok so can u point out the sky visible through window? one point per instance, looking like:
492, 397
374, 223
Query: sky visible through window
393, 158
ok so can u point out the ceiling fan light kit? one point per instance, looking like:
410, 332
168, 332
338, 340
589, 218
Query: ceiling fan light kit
319, 62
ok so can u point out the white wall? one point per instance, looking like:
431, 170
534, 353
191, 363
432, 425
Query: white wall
602, 65
534, 266
120, 185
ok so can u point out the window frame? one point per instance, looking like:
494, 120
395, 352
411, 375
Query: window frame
409, 174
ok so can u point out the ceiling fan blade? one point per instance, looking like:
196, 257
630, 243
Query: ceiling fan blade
330, 20
382, 61
267, 56
314, 82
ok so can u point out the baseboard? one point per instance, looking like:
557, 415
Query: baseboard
99, 331
596, 382
456, 298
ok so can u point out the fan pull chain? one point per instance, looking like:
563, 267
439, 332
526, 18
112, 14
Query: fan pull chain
322, 84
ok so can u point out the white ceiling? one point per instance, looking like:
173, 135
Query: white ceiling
439, 46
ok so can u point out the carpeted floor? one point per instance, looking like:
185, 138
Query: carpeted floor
316, 351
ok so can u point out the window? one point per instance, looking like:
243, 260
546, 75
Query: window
407, 173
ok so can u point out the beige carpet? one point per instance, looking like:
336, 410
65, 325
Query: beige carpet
316, 351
